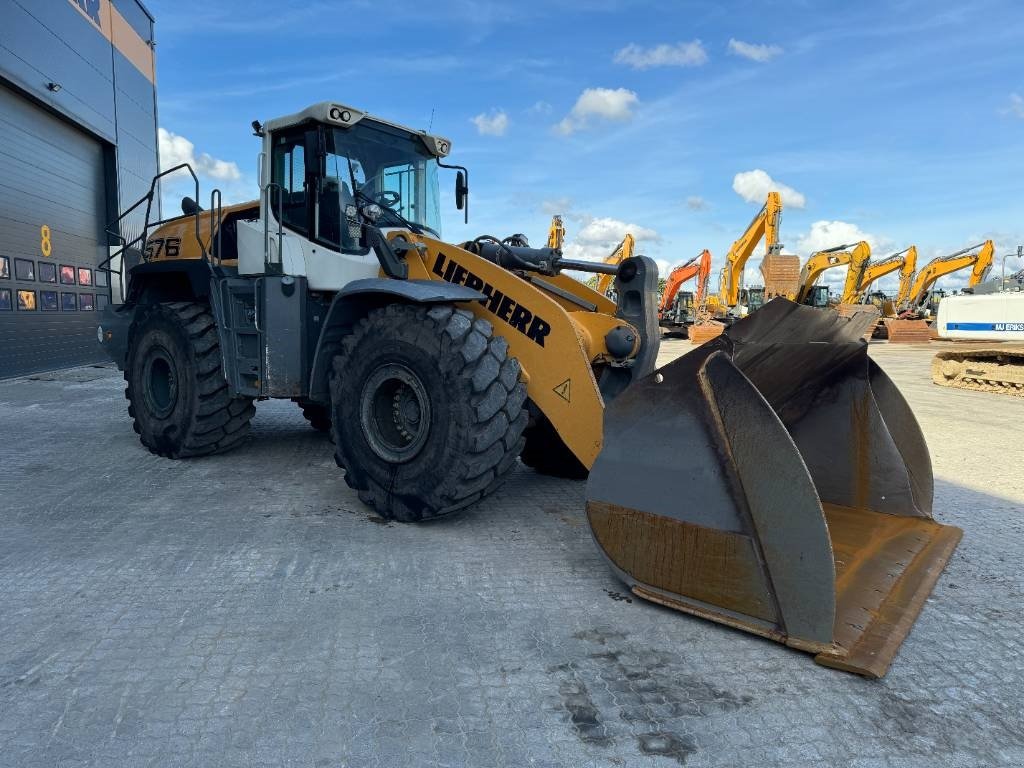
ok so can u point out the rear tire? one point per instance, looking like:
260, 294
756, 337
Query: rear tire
177, 394
427, 407
318, 416
546, 453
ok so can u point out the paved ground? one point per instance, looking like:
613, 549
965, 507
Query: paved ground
246, 610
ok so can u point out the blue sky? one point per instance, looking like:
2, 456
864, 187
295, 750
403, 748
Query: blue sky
901, 122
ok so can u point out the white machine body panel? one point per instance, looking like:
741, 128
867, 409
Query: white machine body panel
988, 317
323, 268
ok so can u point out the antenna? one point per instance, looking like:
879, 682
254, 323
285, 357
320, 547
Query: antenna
431, 125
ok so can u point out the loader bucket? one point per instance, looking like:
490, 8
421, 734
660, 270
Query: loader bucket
774, 479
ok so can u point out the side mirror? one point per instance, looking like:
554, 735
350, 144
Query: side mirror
462, 193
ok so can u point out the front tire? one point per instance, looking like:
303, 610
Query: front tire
177, 394
427, 408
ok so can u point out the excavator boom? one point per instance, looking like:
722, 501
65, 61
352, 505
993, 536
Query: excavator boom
764, 225
856, 261
623, 251
978, 257
878, 269
699, 266
556, 233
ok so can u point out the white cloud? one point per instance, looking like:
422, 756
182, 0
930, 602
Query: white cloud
760, 52
1016, 106
175, 150
829, 234
691, 54
494, 123
540, 108
607, 231
696, 203
560, 206
599, 236
598, 104
754, 186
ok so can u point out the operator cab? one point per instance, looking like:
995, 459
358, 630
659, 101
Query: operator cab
817, 297
326, 170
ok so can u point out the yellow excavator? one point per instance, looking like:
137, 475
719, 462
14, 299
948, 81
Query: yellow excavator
854, 256
764, 225
623, 251
556, 233
976, 257
807, 512
905, 261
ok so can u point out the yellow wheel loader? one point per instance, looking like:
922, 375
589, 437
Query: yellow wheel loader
773, 479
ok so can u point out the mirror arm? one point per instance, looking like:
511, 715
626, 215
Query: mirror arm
465, 172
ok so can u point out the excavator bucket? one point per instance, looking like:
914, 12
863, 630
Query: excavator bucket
774, 479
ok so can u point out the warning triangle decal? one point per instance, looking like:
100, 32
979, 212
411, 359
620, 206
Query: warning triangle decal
563, 391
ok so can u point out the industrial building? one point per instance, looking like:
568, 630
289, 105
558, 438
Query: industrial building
79, 123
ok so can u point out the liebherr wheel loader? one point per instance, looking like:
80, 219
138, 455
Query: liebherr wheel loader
773, 479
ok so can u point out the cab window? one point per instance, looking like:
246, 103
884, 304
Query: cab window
289, 173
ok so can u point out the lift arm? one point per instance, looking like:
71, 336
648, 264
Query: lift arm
905, 261
856, 260
766, 225
978, 257
623, 251
699, 267
556, 234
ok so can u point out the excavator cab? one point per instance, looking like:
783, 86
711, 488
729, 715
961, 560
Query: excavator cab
817, 297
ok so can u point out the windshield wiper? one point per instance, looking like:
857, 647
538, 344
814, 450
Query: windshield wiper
391, 217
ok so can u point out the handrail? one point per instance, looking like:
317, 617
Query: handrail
113, 230
216, 219
280, 223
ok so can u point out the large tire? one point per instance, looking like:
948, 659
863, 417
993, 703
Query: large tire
546, 453
318, 416
427, 406
177, 393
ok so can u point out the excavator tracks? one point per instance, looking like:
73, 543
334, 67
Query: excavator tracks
997, 369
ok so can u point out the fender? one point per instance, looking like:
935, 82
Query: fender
358, 298
195, 275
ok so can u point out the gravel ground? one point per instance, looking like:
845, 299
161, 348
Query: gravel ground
247, 610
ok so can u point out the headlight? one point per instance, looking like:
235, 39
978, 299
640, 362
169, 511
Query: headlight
99, 333
372, 211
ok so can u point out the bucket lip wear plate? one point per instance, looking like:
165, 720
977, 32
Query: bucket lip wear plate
886, 566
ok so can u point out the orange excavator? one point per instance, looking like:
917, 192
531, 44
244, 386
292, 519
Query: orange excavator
680, 308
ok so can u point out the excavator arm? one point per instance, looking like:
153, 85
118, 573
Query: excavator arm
698, 266
978, 257
623, 251
765, 224
856, 260
556, 234
879, 269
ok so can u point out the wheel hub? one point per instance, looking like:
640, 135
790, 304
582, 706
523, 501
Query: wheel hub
160, 382
395, 413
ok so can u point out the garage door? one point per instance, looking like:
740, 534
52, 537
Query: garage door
52, 212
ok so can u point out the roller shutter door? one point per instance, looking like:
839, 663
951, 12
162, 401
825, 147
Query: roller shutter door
52, 212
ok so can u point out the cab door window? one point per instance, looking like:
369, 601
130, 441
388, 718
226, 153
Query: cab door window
289, 198
337, 219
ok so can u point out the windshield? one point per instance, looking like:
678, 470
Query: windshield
387, 166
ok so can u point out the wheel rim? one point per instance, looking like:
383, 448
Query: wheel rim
160, 382
394, 413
